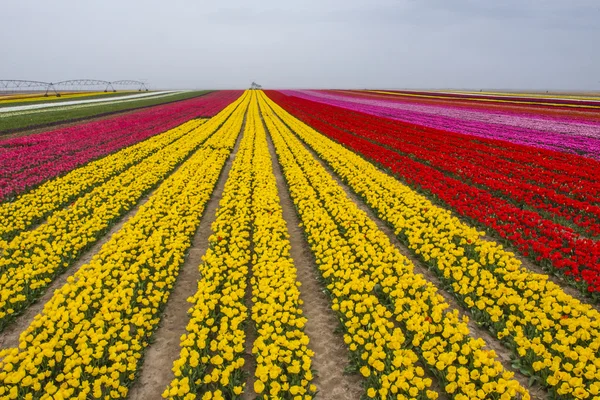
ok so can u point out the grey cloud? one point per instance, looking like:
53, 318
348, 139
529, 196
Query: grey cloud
529, 44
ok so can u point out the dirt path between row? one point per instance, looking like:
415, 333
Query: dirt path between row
331, 354
504, 355
156, 372
250, 363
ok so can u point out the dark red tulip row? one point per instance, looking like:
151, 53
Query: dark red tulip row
564, 173
569, 170
551, 244
523, 183
27, 161
474, 165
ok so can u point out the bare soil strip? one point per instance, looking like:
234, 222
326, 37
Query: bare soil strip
10, 336
251, 335
331, 354
250, 363
536, 391
155, 373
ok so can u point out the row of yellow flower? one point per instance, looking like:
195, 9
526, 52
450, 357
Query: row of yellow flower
555, 338
249, 216
23, 97
90, 338
211, 358
283, 359
30, 208
460, 362
31, 261
376, 345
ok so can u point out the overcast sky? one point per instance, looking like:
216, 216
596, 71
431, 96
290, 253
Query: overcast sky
526, 44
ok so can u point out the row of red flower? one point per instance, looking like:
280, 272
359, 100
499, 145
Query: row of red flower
551, 244
564, 173
516, 182
30, 160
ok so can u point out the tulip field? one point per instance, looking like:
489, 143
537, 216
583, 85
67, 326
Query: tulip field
300, 244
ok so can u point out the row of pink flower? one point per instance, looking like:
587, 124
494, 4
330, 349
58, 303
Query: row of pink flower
572, 123
30, 160
564, 135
